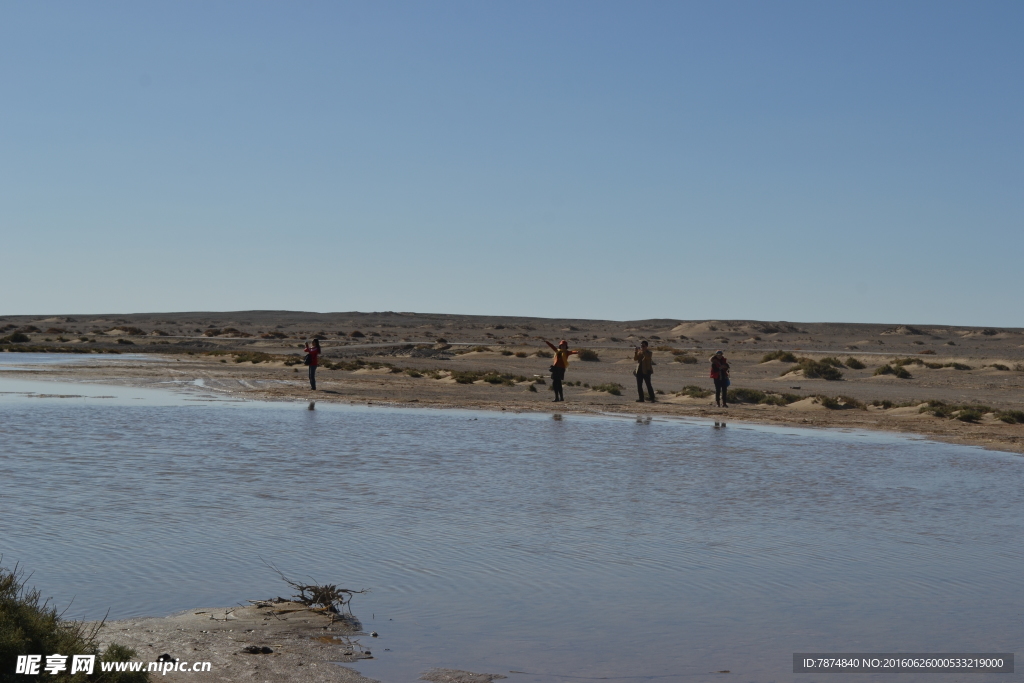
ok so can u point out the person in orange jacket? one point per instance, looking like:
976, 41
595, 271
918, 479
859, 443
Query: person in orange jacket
559, 366
644, 369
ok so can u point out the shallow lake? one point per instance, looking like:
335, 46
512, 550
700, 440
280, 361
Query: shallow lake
567, 547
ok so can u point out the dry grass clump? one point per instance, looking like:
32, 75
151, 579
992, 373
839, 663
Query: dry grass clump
896, 370
16, 338
613, 388
997, 366
473, 349
694, 391
544, 354
784, 356
506, 352
841, 403
588, 355
824, 369
521, 354
1011, 416
30, 625
964, 413
854, 364
685, 358
489, 376
253, 357
755, 396
273, 335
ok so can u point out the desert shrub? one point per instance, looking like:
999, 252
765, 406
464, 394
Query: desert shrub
966, 413
694, 391
989, 332
832, 360
898, 371
478, 349
969, 415
413, 372
1011, 416
957, 366
544, 354
902, 372
999, 366
125, 341
533, 388
540, 380
588, 355
16, 338
784, 356
739, 395
665, 349
521, 354
613, 388
31, 625
689, 360
356, 334
253, 357
933, 366
506, 352
854, 364
56, 330
211, 333
841, 402
161, 333
816, 369
927, 352
273, 335
887, 404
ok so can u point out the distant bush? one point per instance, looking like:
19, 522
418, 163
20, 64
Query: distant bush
521, 354
544, 354
613, 388
816, 369
694, 391
989, 332
841, 403
898, 371
211, 333
506, 352
356, 334
533, 388
253, 357
588, 355
741, 395
969, 415
999, 366
16, 338
689, 360
125, 341
927, 352
56, 330
957, 366
784, 356
161, 333
273, 335
965, 413
887, 404
854, 364
413, 372
831, 360
1011, 416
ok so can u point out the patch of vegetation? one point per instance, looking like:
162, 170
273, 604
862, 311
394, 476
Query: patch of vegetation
927, 352
413, 372
30, 625
588, 355
999, 366
1011, 416
544, 354
784, 356
16, 338
832, 360
356, 334
474, 349
694, 391
817, 369
613, 388
689, 360
521, 354
897, 370
253, 357
273, 335
741, 395
989, 332
841, 403
533, 388
506, 352
965, 413
854, 364
886, 404
125, 341
211, 333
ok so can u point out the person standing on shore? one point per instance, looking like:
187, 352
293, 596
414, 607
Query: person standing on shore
313, 358
559, 367
644, 369
720, 373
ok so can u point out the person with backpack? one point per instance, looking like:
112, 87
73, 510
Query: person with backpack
312, 360
644, 369
559, 366
720, 373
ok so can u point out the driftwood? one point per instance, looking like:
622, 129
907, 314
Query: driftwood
327, 597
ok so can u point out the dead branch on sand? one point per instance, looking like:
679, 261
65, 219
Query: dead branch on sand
316, 596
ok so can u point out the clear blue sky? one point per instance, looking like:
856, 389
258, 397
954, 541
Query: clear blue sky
807, 161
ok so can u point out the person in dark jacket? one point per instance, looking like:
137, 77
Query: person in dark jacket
720, 373
644, 369
314, 360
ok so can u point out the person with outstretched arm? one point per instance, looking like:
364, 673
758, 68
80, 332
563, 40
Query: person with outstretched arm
313, 353
559, 366
644, 369
720, 373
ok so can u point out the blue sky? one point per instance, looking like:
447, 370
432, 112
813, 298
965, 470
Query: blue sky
800, 161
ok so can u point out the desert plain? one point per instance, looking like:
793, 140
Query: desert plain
958, 384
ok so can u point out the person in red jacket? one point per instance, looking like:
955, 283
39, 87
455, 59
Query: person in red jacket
720, 373
314, 360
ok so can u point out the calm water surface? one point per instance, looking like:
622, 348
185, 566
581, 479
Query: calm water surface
579, 547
